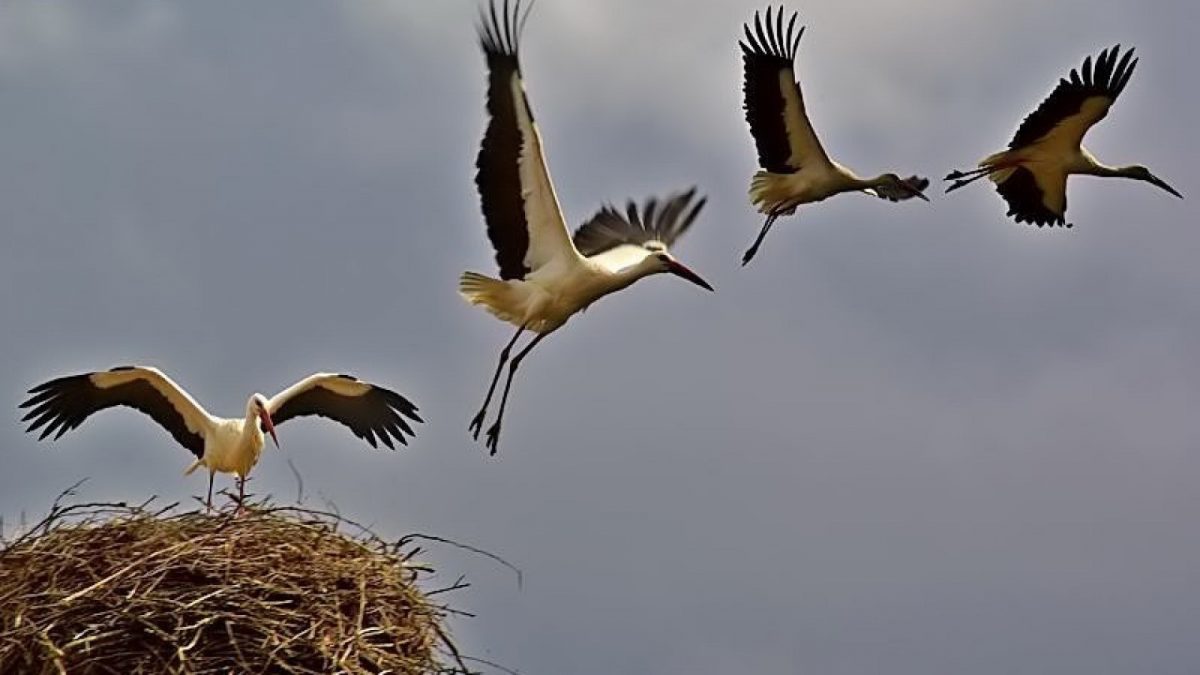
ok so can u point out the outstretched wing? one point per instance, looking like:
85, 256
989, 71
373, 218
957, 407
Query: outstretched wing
617, 241
1037, 198
774, 105
63, 404
367, 409
1079, 102
524, 221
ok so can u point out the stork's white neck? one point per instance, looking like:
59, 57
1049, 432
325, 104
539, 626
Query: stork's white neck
250, 424
626, 276
1086, 163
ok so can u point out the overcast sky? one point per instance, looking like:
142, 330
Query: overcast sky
908, 439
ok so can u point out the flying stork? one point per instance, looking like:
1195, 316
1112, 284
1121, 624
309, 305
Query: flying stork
795, 169
220, 444
1032, 174
545, 275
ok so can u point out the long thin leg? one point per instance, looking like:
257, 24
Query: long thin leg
493, 434
211, 473
241, 481
477, 421
963, 178
762, 234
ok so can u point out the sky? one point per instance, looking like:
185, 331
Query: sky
908, 439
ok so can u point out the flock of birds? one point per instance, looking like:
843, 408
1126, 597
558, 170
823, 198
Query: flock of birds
547, 274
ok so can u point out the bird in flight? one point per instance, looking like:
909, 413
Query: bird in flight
226, 445
545, 275
1032, 174
795, 169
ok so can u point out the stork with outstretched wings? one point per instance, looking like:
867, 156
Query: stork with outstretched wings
1032, 174
220, 444
795, 168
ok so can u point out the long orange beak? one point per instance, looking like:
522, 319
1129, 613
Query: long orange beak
266, 419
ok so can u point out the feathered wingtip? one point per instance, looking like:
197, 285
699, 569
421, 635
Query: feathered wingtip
43, 408
500, 33
662, 221
1107, 74
774, 40
669, 223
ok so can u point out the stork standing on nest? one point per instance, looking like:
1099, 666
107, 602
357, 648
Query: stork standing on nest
226, 445
545, 276
1032, 174
795, 168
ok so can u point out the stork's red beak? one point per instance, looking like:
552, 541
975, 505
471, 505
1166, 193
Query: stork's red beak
266, 419
680, 270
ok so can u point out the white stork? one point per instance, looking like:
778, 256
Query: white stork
1032, 174
220, 444
795, 169
545, 276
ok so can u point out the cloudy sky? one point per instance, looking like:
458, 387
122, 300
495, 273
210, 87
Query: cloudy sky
909, 439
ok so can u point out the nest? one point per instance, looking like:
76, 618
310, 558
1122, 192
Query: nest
110, 588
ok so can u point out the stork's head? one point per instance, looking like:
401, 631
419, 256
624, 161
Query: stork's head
661, 261
257, 405
1139, 172
897, 188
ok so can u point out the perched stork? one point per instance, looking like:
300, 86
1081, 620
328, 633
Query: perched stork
1032, 174
795, 168
545, 276
220, 444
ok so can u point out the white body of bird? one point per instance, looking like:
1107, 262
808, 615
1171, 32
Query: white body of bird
781, 193
232, 445
549, 296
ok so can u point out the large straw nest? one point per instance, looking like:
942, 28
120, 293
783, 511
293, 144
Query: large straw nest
110, 588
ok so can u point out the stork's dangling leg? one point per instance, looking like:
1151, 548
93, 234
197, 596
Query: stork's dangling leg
762, 234
493, 434
211, 474
477, 421
962, 178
